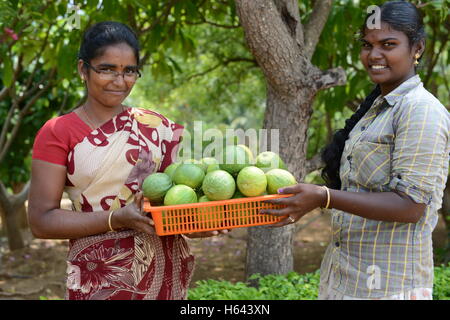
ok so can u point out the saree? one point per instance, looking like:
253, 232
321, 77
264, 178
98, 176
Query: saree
104, 172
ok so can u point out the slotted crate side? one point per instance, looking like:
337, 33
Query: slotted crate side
213, 215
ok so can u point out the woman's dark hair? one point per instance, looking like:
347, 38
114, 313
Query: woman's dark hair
100, 35
401, 16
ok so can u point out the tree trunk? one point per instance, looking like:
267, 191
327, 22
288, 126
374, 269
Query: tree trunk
290, 116
12, 206
13, 230
277, 40
446, 205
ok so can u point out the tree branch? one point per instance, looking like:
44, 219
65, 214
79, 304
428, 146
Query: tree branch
6, 124
204, 20
4, 197
315, 24
3, 93
159, 19
221, 64
269, 30
329, 78
315, 163
289, 11
23, 111
19, 199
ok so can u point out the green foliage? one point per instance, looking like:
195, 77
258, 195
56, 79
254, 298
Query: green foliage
196, 64
292, 286
344, 23
218, 84
271, 287
441, 288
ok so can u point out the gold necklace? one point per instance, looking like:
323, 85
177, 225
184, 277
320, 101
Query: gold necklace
93, 127
88, 118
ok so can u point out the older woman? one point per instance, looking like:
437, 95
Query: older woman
100, 153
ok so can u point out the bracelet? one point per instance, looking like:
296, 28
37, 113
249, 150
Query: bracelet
328, 196
109, 221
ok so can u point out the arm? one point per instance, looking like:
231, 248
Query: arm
421, 149
382, 206
47, 220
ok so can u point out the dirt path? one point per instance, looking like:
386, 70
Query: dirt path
39, 270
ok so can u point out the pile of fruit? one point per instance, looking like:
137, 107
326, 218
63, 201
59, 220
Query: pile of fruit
236, 175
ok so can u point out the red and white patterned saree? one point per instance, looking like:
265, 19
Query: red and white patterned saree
104, 172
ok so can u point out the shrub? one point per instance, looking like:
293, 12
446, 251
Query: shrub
441, 287
292, 286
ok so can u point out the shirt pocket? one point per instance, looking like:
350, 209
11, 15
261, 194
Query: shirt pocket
371, 164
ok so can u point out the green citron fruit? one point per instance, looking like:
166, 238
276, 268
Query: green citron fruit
180, 194
155, 187
279, 178
238, 195
234, 159
189, 174
248, 151
212, 167
198, 163
218, 185
268, 160
207, 161
251, 181
170, 169
203, 198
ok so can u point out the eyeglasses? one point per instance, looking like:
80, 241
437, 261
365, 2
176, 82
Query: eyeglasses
129, 75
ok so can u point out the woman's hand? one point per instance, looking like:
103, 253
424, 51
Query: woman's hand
306, 197
133, 217
206, 234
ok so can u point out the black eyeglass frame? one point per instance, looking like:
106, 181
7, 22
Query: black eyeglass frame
115, 73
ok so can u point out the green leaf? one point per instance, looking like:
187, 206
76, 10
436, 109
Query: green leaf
7, 72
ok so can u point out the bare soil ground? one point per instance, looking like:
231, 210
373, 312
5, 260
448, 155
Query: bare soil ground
39, 270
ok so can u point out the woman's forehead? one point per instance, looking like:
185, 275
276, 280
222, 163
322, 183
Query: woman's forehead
385, 32
119, 54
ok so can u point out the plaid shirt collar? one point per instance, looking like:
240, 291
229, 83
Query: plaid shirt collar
392, 97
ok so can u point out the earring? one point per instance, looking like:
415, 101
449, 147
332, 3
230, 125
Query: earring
417, 56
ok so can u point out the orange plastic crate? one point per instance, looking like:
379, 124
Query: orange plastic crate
213, 215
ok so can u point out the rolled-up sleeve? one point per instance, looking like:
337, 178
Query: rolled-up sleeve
420, 149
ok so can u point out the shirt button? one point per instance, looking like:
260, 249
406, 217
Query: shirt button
363, 128
349, 158
337, 244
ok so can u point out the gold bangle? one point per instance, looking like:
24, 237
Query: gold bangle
328, 196
109, 221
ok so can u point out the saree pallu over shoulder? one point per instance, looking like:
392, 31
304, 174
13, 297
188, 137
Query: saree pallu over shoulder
108, 166
105, 170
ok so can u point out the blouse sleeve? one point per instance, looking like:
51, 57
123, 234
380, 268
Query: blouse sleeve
170, 144
51, 144
420, 151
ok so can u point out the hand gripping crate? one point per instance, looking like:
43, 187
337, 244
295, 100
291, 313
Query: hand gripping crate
213, 215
